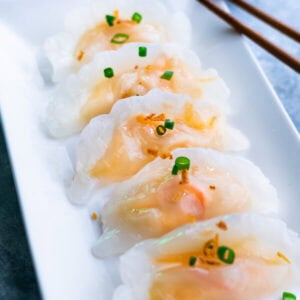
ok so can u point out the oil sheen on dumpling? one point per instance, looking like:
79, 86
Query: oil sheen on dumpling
114, 147
155, 201
249, 257
109, 25
89, 93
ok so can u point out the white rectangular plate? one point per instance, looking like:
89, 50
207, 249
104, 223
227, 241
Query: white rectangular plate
60, 234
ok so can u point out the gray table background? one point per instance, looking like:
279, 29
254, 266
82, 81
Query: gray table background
17, 277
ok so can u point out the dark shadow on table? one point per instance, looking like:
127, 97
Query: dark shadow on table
17, 276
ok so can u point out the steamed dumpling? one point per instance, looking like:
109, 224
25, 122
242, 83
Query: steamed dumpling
155, 201
93, 28
114, 147
89, 93
233, 257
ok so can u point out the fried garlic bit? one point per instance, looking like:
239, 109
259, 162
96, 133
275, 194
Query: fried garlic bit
222, 225
209, 252
184, 177
152, 152
80, 55
166, 155
151, 118
94, 216
156, 153
282, 256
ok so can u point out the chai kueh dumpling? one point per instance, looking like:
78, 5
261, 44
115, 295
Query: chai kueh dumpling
115, 75
116, 146
156, 200
109, 25
233, 257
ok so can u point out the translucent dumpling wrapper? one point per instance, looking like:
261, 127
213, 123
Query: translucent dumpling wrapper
115, 75
155, 201
114, 147
233, 257
97, 27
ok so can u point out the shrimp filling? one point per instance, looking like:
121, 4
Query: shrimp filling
99, 38
253, 274
139, 81
161, 207
136, 143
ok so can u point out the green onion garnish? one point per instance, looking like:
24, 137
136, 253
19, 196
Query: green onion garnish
167, 75
169, 124
142, 51
192, 261
110, 20
108, 72
182, 163
119, 38
161, 130
226, 255
288, 296
175, 170
136, 17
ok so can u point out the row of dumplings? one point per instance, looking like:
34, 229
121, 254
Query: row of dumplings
193, 221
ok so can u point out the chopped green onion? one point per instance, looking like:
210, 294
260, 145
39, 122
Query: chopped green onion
167, 75
192, 261
175, 170
182, 163
142, 51
161, 130
136, 17
108, 72
288, 296
110, 20
226, 255
119, 38
169, 124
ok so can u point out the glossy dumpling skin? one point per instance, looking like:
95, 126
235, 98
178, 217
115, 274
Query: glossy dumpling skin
266, 262
87, 32
89, 93
114, 147
155, 201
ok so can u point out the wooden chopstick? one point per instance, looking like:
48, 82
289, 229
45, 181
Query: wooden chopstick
275, 23
282, 55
